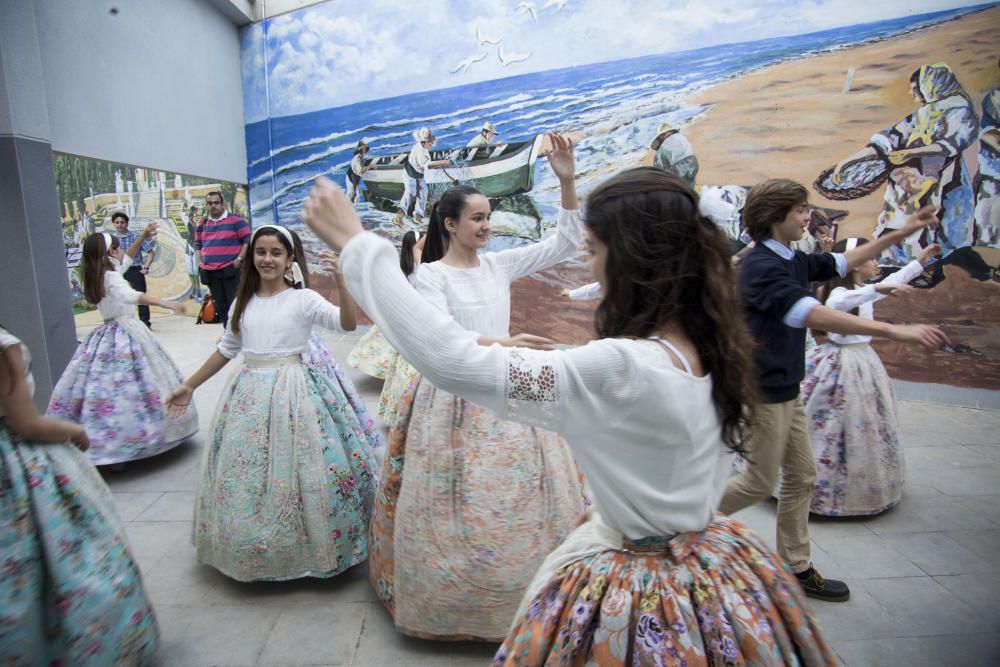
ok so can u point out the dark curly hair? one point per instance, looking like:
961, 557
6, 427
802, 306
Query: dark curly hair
667, 264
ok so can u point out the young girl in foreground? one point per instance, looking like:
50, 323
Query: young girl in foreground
70, 593
288, 478
849, 402
119, 376
651, 410
373, 355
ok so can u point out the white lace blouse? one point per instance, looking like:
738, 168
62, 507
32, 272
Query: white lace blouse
864, 297
645, 433
479, 298
280, 325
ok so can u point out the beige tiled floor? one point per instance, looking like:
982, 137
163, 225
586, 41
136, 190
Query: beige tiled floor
925, 577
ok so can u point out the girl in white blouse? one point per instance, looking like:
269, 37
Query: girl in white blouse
288, 478
116, 383
469, 504
651, 410
849, 402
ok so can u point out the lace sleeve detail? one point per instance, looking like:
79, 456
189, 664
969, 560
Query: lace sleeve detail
531, 387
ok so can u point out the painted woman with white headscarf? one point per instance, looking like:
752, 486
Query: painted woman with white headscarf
288, 479
924, 151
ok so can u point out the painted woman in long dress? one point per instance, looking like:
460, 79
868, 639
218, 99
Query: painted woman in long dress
925, 151
651, 410
469, 503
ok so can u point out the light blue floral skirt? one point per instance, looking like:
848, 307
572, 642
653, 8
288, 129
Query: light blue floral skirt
319, 354
70, 592
288, 479
114, 386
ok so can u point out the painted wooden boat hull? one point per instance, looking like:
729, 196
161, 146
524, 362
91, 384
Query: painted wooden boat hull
495, 171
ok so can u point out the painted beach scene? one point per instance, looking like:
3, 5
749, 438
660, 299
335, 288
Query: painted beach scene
876, 109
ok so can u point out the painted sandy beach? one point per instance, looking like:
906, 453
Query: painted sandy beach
766, 124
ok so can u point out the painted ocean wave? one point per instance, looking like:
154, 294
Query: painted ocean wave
617, 113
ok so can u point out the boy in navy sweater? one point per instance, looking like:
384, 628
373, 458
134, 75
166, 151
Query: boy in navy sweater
774, 283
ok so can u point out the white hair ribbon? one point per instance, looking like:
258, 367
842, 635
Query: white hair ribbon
852, 243
416, 236
107, 240
284, 232
297, 278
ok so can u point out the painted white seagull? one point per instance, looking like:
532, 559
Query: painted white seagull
528, 8
464, 65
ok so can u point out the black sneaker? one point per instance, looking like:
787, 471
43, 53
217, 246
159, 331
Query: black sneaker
815, 586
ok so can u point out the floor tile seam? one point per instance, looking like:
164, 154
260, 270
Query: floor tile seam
267, 637
361, 634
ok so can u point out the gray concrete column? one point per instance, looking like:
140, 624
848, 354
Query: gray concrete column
36, 304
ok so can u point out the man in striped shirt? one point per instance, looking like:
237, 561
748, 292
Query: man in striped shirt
220, 244
136, 274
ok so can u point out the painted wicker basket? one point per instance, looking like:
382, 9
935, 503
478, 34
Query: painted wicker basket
857, 179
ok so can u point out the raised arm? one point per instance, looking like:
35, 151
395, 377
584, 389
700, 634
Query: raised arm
520, 262
141, 240
925, 217
348, 308
531, 386
117, 288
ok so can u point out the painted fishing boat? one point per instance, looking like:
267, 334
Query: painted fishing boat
505, 169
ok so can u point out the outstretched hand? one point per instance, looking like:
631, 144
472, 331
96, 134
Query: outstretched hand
178, 401
329, 260
175, 306
560, 156
79, 438
330, 215
529, 341
922, 334
925, 217
928, 253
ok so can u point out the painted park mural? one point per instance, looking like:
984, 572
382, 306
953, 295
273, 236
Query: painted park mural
879, 108
90, 191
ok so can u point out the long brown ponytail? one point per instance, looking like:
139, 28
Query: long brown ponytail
666, 263
95, 263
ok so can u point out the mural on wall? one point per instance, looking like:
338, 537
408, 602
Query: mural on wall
90, 191
716, 93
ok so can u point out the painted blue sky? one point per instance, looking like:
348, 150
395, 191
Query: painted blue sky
341, 52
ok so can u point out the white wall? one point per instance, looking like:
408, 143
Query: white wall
157, 84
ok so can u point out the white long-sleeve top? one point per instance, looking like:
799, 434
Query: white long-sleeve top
479, 298
119, 297
645, 433
589, 292
280, 325
863, 297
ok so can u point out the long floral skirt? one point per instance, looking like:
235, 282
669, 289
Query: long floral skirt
319, 354
288, 478
70, 592
401, 375
852, 426
468, 506
114, 386
372, 354
714, 597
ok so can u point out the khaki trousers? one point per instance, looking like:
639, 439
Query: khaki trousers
779, 440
